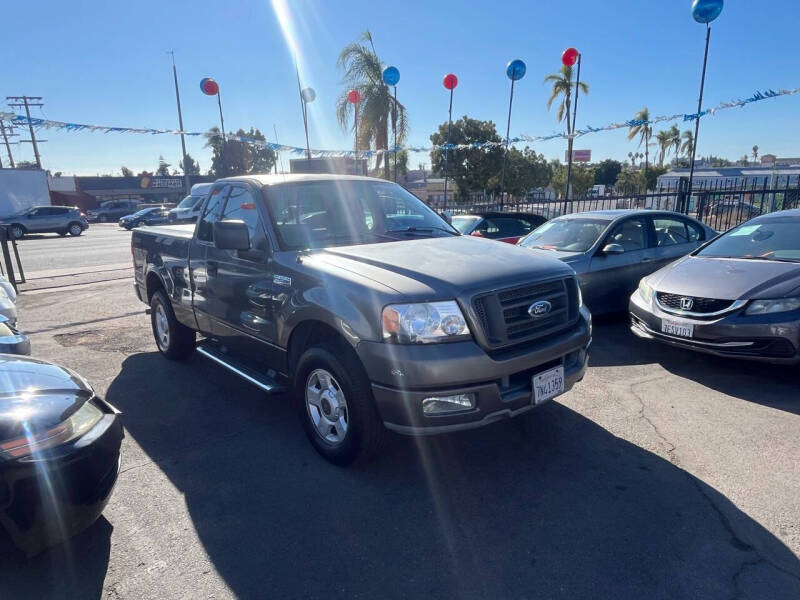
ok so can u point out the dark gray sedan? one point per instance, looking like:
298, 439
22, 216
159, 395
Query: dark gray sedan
611, 250
737, 296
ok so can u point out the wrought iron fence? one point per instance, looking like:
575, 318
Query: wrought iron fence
8, 248
721, 204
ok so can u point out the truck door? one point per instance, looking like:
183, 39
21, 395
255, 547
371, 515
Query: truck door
239, 291
198, 268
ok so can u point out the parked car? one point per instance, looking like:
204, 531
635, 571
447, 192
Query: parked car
366, 303
6, 286
59, 452
189, 208
8, 305
112, 210
11, 340
611, 250
46, 219
501, 226
737, 296
153, 215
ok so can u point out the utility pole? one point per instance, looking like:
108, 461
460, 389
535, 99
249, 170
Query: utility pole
20, 101
180, 123
6, 133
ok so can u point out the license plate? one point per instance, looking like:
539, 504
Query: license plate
548, 384
677, 328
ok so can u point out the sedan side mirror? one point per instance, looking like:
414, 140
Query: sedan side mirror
613, 249
231, 235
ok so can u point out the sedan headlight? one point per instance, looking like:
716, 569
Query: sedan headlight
424, 322
75, 426
778, 305
645, 290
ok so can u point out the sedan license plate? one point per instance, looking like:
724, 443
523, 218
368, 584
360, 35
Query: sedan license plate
677, 328
548, 384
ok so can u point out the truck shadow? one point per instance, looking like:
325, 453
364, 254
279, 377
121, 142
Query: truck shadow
564, 509
614, 345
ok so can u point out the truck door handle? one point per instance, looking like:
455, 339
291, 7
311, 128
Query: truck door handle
211, 267
647, 260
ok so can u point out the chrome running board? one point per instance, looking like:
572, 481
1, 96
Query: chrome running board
260, 380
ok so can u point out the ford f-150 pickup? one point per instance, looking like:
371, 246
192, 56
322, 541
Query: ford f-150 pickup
364, 303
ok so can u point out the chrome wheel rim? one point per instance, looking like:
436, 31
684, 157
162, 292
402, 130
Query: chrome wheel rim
75, 229
326, 406
16, 232
162, 327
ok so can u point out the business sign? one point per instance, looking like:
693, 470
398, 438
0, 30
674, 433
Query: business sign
579, 156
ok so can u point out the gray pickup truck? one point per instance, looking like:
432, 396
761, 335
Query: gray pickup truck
366, 304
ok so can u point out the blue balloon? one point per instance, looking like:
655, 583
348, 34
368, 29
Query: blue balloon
391, 75
516, 70
705, 11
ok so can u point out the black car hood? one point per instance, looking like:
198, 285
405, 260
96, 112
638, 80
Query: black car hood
36, 395
451, 265
728, 278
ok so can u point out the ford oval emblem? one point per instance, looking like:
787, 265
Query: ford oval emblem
539, 309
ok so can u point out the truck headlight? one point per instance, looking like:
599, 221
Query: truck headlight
645, 290
424, 322
778, 305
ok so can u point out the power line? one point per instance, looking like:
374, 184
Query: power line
8, 132
24, 101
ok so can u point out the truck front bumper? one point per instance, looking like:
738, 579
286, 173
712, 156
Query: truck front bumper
404, 375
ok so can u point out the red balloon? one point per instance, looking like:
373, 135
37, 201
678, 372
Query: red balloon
354, 96
450, 81
210, 87
569, 57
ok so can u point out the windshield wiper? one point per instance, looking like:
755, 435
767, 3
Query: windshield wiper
765, 258
426, 229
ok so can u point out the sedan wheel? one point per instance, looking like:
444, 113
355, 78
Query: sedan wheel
327, 406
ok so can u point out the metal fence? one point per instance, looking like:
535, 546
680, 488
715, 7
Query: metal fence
8, 247
721, 204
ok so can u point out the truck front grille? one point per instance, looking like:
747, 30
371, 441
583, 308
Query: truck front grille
505, 318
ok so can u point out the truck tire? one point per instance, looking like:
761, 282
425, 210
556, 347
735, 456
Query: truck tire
333, 399
174, 340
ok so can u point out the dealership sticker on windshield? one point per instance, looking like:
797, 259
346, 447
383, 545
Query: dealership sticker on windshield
548, 384
677, 328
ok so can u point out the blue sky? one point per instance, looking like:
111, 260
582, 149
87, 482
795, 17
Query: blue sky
106, 63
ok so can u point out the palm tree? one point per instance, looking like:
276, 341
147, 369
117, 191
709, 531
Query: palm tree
664, 140
643, 131
363, 71
755, 153
563, 85
688, 143
675, 136
630, 155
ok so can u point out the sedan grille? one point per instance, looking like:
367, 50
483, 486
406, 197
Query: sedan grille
693, 304
505, 318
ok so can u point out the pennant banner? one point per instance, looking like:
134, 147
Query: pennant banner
16, 119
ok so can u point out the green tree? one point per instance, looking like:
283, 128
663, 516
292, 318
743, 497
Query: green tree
643, 132
563, 87
652, 175
664, 141
687, 146
126, 172
239, 158
630, 182
26, 164
377, 111
606, 171
163, 167
755, 153
473, 168
581, 179
190, 166
675, 136
525, 170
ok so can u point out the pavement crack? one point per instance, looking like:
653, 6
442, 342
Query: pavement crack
670, 447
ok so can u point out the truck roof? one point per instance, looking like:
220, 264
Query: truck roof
267, 180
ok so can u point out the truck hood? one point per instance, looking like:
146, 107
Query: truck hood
445, 267
727, 278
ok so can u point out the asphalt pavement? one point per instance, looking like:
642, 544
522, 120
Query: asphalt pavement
664, 474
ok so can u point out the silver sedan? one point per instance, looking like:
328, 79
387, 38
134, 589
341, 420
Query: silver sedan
611, 250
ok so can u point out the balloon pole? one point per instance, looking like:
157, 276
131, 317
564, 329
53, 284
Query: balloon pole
446, 150
571, 134
394, 130
304, 108
699, 108
505, 154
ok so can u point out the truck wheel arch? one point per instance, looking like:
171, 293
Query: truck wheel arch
308, 334
153, 283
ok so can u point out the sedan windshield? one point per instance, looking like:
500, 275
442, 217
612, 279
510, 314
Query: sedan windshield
769, 239
464, 223
566, 235
319, 214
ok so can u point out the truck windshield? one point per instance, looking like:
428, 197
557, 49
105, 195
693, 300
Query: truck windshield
319, 214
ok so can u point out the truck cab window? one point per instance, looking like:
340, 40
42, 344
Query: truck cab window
241, 206
205, 226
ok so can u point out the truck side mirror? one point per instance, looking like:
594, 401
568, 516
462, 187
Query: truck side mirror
231, 235
613, 249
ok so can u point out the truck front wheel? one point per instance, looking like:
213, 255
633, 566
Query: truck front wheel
333, 399
174, 340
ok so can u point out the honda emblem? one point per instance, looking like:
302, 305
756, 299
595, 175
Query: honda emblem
687, 303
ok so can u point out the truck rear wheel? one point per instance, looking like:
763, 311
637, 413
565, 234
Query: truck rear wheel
174, 340
333, 399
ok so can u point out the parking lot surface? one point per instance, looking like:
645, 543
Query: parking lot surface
664, 474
